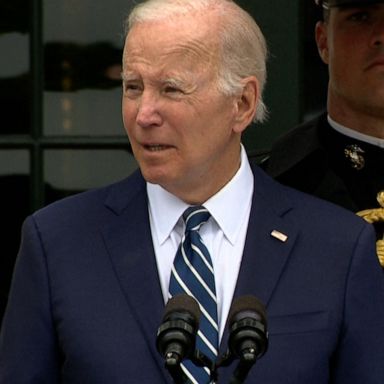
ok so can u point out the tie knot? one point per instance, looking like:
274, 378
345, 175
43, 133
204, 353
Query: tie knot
195, 217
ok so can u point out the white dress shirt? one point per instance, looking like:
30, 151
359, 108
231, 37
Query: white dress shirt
224, 233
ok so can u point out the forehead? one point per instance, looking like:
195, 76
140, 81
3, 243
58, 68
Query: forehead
181, 38
374, 7
340, 17
346, 3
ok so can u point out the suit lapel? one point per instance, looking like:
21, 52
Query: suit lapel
129, 243
265, 252
264, 255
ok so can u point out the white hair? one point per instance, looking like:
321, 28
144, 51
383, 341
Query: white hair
243, 46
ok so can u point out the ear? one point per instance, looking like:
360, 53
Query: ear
321, 35
246, 104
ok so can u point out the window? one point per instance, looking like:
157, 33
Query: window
61, 129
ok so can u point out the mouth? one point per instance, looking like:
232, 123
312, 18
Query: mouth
156, 147
377, 63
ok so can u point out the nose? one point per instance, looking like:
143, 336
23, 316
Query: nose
148, 110
378, 32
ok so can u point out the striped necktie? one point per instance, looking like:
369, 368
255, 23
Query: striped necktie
192, 273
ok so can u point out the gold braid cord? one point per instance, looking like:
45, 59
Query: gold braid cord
374, 216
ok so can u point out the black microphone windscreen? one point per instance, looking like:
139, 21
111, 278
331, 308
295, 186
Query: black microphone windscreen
246, 304
184, 303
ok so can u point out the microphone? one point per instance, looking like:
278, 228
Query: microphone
248, 336
176, 336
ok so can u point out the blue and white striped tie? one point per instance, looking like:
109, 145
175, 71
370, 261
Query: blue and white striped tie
192, 273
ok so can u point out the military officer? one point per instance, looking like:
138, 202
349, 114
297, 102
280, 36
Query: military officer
339, 156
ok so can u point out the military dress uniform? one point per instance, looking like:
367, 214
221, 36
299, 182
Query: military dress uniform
317, 159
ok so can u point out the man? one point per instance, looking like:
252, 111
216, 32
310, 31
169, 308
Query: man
339, 156
95, 270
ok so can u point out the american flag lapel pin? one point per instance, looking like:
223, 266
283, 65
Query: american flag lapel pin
279, 235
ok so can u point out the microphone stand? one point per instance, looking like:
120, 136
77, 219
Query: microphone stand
172, 364
173, 361
247, 359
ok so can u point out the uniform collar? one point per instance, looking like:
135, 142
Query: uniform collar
354, 134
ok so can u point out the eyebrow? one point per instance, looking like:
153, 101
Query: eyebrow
128, 75
171, 80
174, 81
359, 8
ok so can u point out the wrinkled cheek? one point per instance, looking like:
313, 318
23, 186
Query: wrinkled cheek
129, 123
129, 112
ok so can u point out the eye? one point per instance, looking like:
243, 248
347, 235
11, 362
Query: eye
359, 17
172, 89
131, 87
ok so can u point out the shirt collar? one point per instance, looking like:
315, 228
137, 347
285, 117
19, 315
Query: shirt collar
229, 207
354, 134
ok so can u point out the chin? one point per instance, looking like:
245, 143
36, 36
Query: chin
155, 176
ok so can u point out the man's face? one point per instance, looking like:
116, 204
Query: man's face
351, 42
181, 128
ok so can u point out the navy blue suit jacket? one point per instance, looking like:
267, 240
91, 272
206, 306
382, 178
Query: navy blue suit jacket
85, 302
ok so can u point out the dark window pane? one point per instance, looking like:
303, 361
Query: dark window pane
14, 67
83, 113
69, 171
14, 207
83, 47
